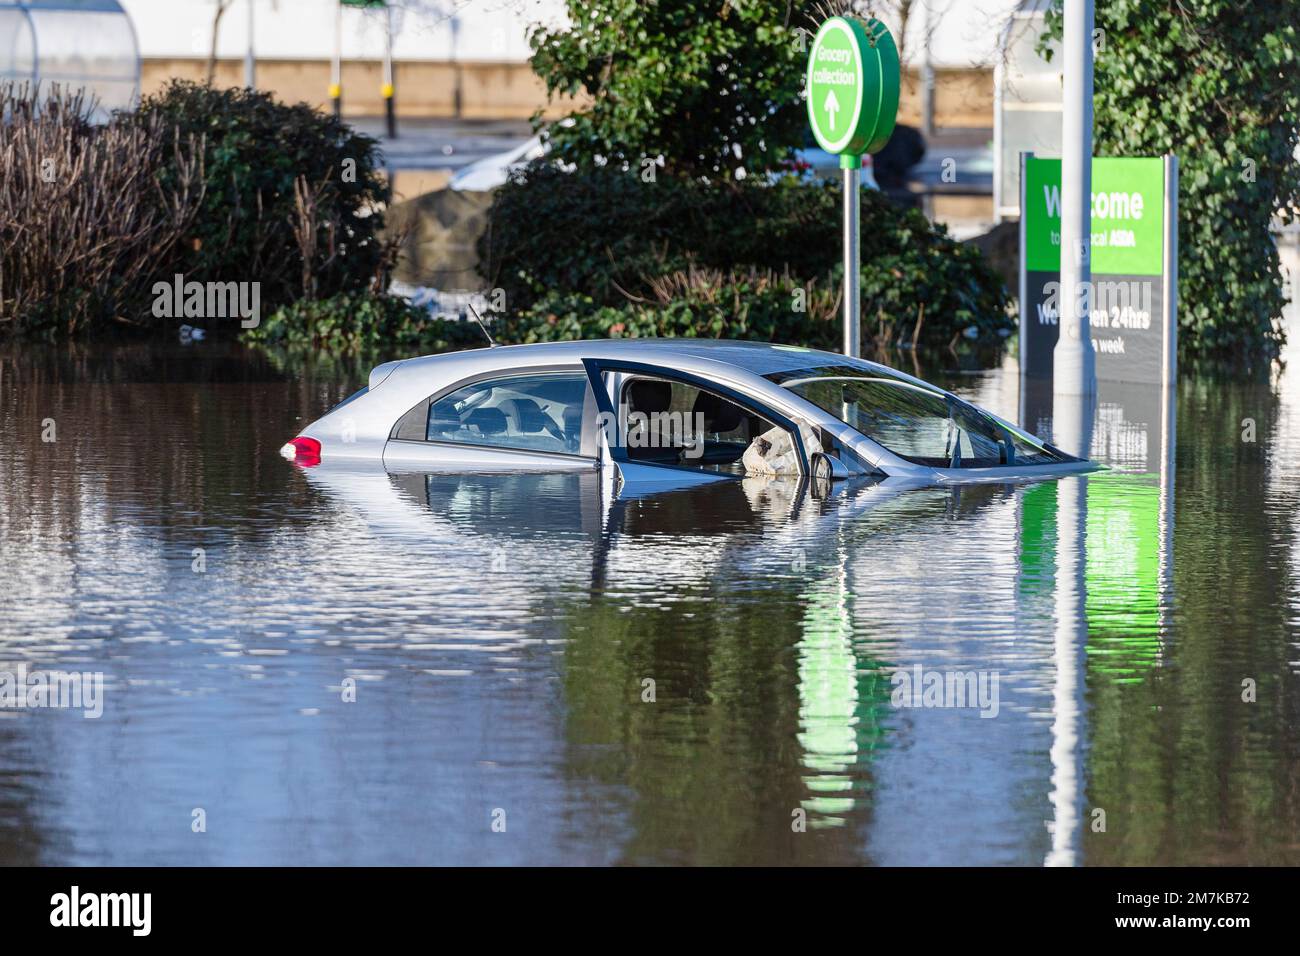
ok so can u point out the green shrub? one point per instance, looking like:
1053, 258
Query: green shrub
692, 304
279, 178
929, 279
605, 238
364, 323
602, 231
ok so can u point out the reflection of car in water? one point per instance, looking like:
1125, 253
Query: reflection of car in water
580, 524
771, 617
672, 412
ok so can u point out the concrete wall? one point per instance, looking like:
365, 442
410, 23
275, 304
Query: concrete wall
962, 98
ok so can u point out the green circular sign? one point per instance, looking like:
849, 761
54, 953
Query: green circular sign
853, 80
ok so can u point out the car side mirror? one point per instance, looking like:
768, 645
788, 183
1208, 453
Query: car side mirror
826, 467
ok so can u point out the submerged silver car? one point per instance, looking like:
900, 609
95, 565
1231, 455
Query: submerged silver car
677, 411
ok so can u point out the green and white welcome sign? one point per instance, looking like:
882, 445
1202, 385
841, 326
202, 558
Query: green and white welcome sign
1132, 299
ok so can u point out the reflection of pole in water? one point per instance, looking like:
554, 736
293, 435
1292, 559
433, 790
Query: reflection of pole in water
1072, 430
1168, 442
1068, 658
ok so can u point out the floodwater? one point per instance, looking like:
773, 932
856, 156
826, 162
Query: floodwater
316, 666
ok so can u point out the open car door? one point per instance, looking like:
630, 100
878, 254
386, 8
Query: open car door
666, 426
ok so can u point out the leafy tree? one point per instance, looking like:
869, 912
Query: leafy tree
1217, 83
711, 86
712, 244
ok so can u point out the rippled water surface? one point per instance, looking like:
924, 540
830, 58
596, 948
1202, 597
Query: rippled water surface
708, 676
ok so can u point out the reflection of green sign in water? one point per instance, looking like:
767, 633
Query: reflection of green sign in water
842, 698
828, 701
1123, 574
853, 84
1122, 578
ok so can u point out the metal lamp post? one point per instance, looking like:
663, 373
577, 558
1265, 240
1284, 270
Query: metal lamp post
1075, 361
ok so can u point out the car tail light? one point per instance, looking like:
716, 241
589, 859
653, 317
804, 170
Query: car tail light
302, 450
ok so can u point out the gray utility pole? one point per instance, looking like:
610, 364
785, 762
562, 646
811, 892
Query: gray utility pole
336, 63
852, 166
390, 107
458, 103
927, 75
250, 59
1075, 362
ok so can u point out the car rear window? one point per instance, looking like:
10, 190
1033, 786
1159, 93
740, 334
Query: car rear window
532, 412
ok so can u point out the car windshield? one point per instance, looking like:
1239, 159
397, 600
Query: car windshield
916, 422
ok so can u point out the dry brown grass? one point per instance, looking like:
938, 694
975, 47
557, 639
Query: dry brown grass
87, 216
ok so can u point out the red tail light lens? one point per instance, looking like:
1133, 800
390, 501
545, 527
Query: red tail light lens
302, 450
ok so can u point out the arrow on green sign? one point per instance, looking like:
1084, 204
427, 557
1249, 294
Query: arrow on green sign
832, 107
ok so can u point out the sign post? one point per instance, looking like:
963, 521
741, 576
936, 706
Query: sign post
852, 87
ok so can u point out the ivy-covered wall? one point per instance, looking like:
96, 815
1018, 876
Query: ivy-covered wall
1217, 83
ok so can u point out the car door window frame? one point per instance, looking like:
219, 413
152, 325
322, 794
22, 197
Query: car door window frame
596, 367
418, 415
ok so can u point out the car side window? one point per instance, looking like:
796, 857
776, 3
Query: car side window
540, 412
669, 422
914, 423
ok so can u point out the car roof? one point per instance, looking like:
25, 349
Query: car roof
757, 358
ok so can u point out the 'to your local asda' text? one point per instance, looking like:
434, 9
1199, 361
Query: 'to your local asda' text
1111, 205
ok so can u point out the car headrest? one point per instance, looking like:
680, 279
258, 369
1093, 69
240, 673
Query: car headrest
649, 395
490, 421
719, 414
527, 414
